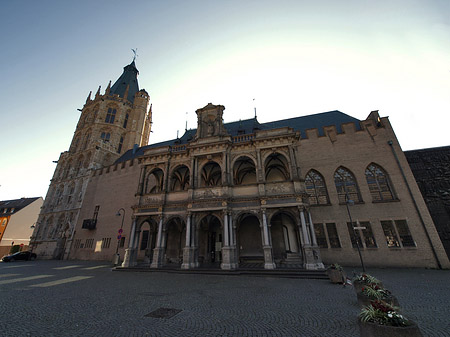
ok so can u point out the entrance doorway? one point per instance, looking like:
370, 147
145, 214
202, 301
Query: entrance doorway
210, 240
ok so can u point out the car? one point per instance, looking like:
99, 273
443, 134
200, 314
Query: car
26, 255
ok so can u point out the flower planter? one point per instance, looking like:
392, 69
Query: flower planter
358, 285
336, 276
364, 300
369, 329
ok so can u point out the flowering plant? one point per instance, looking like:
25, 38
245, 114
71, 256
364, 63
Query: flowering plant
383, 313
366, 279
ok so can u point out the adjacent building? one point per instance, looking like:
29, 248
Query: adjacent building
431, 168
17, 220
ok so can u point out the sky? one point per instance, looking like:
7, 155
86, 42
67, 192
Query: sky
286, 58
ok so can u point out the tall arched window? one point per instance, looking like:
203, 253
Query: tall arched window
110, 116
316, 188
346, 184
379, 185
125, 122
119, 148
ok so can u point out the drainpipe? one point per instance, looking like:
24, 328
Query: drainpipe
415, 203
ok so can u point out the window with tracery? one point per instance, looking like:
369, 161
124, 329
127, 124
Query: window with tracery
379, 185
110, 116
316, 188
346, 186
105, 136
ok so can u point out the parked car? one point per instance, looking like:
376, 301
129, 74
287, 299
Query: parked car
20, 256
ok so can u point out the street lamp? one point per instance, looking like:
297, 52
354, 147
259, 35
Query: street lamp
348, 202
119, 236
33, 237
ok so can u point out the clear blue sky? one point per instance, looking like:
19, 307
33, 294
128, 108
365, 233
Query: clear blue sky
294, 57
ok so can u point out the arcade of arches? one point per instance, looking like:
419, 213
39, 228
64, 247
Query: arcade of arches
270, 238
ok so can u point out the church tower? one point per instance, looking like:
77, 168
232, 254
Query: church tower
109, 125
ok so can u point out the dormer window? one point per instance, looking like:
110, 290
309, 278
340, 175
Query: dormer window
110, 116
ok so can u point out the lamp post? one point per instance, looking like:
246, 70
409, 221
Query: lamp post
33, 237
348, 202
119, 236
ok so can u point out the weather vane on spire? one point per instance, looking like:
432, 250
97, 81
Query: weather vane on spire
135, 54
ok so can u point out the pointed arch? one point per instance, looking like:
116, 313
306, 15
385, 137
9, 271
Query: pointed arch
379, 183
244, 171
316, 188
346, 184
211, 175
154, 181
180, 179
276, 168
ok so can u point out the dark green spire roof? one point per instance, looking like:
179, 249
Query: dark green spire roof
129, 77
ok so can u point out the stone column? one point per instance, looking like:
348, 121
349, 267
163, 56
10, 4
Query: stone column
311, 260
158, 252
188, 250
129, 259
228, 250
267, 247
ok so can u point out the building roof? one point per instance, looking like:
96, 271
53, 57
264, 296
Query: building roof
249, 126
13, 206
129, 77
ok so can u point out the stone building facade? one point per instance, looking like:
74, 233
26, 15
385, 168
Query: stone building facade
109, 125
431, 168
277, 194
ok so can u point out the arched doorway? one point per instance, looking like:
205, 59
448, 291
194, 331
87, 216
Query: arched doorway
285, 244
147, 241
249, 241
175, 241
210, 241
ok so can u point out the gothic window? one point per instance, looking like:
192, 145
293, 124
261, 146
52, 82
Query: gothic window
110, 116
393, 230
276, 168
211, 175
154, 183
105, 136
379, 185
180, 179
316, 188
346, 184
119, 149
75, 144
362, 234
125, 122
244, 171
86, 141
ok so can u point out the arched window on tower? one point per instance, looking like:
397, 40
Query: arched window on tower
379, 184
119, 149
105, 136
110, 116
125, 122
346, 185
316, 188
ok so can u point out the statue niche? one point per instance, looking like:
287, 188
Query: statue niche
210, 122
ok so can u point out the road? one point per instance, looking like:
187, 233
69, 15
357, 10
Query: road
79, 298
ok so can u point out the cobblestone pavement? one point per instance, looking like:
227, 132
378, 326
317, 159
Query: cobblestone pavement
73, 298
